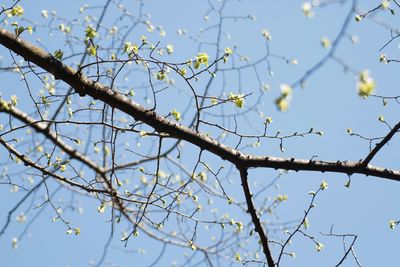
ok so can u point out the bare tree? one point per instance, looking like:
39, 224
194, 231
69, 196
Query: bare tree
151, 131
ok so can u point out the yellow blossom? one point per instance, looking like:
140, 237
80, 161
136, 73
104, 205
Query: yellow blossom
129, 48
266, 34
382, 58
63, 167
161, 75
45, 13
176, 114
392, 224
92, 50
170, 49
306, 223
91, 32
203, 176
286, 90
237, 99
192, 245
307, 9
17, 11
201, 58
319, 247
182, 72
325, 42
228, 51
143, 39
282, 104
102, 208
14, 242
366, 84
239, 226
14, 100
385, 4
77, 231
237, 257
281, 198
323, 185
58, 54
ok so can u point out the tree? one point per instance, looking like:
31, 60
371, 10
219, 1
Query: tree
188, 147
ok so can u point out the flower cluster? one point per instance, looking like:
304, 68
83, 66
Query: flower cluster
365, 85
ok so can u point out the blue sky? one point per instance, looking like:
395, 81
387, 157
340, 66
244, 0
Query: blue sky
329, 103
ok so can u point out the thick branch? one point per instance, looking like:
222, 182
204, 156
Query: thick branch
28, 162
85, 86
254, 217
52, 136
347, 167
381, 144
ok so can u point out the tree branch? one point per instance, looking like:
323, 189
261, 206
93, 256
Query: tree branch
381, 144
85, 86
28, 162
52, 136
254, 217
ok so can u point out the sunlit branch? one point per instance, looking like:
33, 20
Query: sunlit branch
50, 135
43, 170
254, 217
85, 86
381, 144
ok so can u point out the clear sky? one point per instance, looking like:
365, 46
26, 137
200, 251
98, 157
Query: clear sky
328, 103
